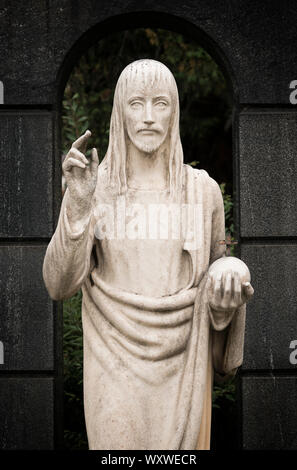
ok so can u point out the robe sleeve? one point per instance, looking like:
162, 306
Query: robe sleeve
67, 260
227, 327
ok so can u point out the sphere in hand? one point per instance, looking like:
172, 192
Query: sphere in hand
230, 263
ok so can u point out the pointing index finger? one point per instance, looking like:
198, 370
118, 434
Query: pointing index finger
82, 140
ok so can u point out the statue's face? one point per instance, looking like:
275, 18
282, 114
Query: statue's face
147, 113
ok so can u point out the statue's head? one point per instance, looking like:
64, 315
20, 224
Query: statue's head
146, 115
149, 97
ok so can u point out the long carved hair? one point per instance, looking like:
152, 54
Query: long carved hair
150, 72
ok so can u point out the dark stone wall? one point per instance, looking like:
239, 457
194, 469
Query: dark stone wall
26, 321
27, 413
26, 192
255, 44
271, 324
257, 38
268, 168
268, 414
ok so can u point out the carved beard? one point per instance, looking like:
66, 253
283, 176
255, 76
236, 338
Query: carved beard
147, 148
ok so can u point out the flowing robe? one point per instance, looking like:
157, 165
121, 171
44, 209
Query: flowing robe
151, 342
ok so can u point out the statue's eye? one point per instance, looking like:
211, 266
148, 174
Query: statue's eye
161, 104
136, 104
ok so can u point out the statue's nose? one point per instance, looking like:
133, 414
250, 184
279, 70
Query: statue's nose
148, 117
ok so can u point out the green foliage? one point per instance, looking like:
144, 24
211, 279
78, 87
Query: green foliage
228, 208
229, 220
75, 120
224, 392
74, 434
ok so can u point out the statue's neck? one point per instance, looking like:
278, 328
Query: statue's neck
147, 171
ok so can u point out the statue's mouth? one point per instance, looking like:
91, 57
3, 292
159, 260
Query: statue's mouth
147, 131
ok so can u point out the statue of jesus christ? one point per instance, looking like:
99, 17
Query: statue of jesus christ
137, 234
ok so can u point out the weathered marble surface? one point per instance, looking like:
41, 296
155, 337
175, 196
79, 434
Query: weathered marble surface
155, 322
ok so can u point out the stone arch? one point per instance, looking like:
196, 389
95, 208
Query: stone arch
133, 20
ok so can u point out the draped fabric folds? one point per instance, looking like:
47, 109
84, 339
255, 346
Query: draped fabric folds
148, 361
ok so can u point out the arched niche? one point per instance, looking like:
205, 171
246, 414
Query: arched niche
131, 22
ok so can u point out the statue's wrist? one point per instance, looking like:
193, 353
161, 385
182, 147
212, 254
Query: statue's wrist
78, 214
221, 318
220, 311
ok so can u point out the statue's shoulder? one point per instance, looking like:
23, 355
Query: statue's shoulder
201, 177
196, 174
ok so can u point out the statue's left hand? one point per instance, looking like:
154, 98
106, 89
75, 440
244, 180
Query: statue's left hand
227, 292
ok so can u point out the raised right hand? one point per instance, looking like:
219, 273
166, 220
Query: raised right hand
79, 172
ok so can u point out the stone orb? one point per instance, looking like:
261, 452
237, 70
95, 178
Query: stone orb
231, 263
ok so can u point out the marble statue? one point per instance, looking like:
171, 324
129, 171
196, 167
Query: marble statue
138, 234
